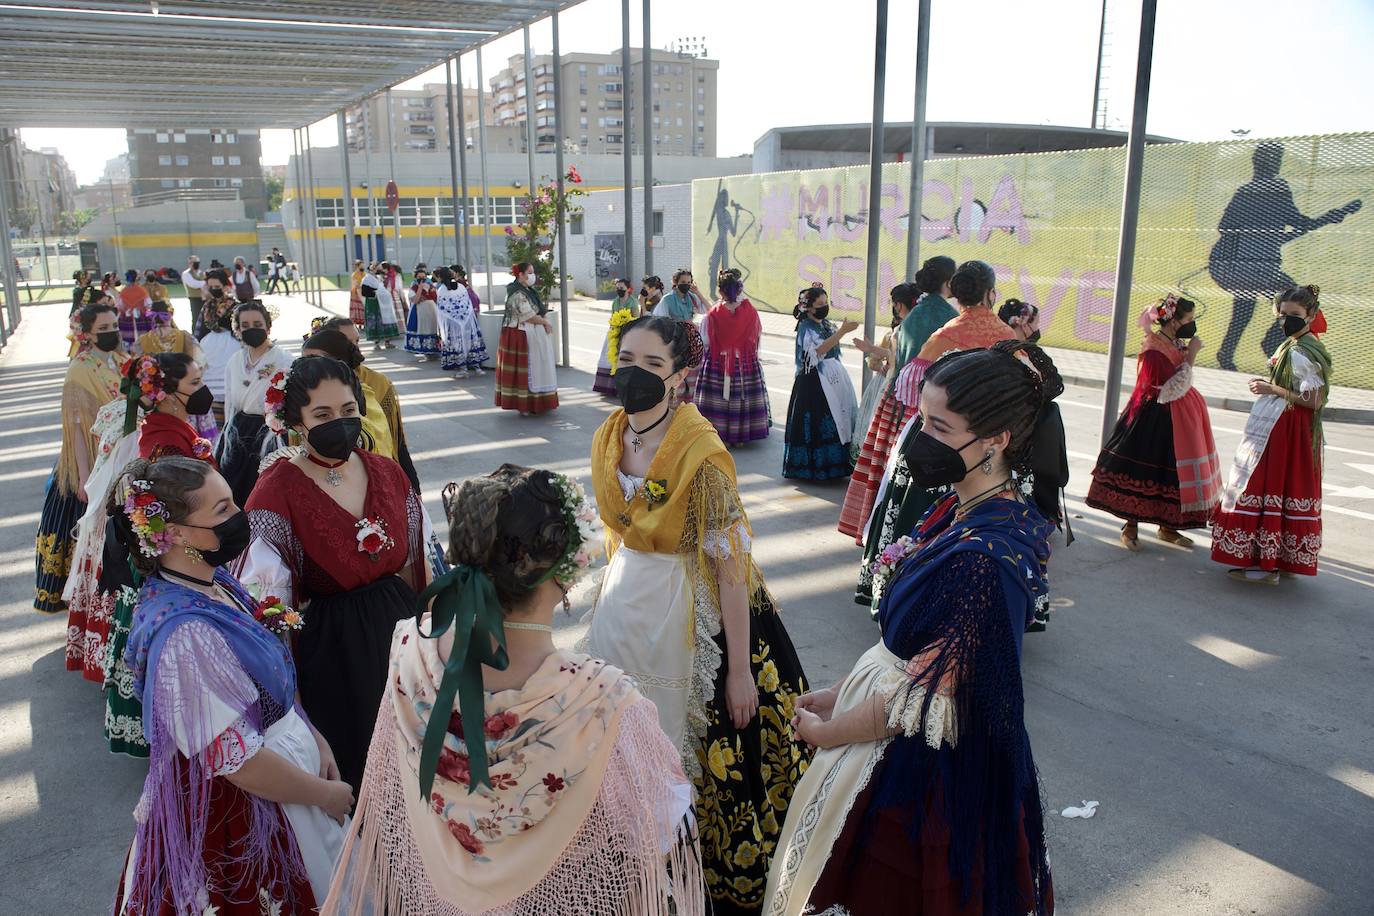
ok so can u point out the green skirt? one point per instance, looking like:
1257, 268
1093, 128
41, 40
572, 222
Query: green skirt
123, 711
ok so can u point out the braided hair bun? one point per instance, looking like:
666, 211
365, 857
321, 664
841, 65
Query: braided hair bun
682, 337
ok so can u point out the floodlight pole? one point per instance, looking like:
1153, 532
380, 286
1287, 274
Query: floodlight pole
875, 176
457, 147
564, 322
320, 260
452, 165
625, 135
350, 234
1130, 218
646, 106
529, 112
915, 190
391, 166
300, 199
487, 220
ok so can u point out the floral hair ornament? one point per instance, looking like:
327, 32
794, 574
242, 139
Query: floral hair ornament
274, 401
581, 519
619, 319
148, 517
1161, 312
143, 381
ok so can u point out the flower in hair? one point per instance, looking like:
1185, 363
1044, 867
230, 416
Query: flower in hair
147, 374
274, 402
619, 319
581, 520
148, 517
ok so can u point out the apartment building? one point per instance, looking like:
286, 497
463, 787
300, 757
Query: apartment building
419, 120
168, 163
601, 107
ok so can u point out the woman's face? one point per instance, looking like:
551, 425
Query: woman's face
105, 321
952, 429
252, 319
193, 381
645, 349
527, 278
329, 400
212, 504
1292, 308
822, 302
1028, 325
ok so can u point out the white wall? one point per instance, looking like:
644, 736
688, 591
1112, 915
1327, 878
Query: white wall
603, 212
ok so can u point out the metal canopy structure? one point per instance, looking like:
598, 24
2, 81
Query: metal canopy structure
249, 64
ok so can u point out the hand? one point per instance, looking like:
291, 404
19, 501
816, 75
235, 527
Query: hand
741, 697
1195, 345
819, 702
848, 327
329, 767
1260, 386
336, 800
806, 727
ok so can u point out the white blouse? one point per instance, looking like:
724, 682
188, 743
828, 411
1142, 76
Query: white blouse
717, 543
245, 384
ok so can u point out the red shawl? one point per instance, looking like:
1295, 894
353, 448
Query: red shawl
1158, 360
163, 434
734, 335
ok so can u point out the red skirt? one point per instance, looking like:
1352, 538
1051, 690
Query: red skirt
1277, 522
513, 376
355, 308
887, 424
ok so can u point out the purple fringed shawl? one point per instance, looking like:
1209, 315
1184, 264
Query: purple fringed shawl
184, 711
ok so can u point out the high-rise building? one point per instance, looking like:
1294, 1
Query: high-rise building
419, 120
169, 163
597, 99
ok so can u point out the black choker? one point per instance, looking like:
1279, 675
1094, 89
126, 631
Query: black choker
638, 441
204, 583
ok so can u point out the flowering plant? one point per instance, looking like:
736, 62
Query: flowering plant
372, 538
655, 491
146, 372
893, 554
619, 319
273, 613
543, 214
581, 518
274, 402
148, 518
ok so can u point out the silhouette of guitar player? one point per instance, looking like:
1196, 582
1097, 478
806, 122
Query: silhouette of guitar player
1246, 261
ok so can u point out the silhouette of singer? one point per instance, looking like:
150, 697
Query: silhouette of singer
1246, 261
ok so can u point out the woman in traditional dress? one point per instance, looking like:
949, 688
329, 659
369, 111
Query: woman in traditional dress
1160, 465
732, 393
135, 310
81, 282
821, 411
624, 308
924, 310
381, 325
337, 532
526, 377
684, 302
461, 273
923, 788
684, 610
244, 440
506, 775
1049, 458
218, 344
463, 348
395, 284
1269, 523
880, 359
166, 337
241, 809
422, 324
355, 293
900, 504
157, 292
92, 382
650, 294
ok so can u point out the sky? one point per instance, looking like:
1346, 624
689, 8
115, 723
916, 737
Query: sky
1219, 66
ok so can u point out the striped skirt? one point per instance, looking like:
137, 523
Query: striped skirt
744, 416
887, 425
513, 376
53, 546
355, 307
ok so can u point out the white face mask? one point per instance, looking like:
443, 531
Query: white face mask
529, 279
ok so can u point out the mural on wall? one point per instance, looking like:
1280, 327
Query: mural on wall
1226, 224
609, 260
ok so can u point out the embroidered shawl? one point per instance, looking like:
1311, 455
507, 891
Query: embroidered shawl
1281, 374
91, 383
733, 335
971, 329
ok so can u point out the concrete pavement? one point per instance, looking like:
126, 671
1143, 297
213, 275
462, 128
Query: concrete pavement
1224, 728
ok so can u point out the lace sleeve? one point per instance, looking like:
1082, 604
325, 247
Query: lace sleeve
726, 526
1306, 374
201, 692
1177, 385
274, 558
231, 750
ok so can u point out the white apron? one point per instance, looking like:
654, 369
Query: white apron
543, 376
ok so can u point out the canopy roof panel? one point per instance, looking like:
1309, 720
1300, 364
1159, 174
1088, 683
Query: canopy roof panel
246, 64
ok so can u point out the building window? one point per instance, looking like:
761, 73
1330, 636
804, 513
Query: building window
236, 182
217, 160
583, 122
164, 160
179, 137
235, 160
221, 182
183, 182
163, 137
658, 222
612, 87
183, 160
231, 138
168, 183
217, 138
614, 138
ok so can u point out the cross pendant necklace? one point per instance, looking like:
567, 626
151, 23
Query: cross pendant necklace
637, 441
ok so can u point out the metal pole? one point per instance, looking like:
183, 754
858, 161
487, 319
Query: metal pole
43, 236
462, 224
646, 106
529, 111
1097, 74
1130, 216
915, 190
563, 319
625, 136
391, 167
296, 251
487, 221
114, 217
452, 158
7, 271
372, 222
350, 233
875, 176
321, 262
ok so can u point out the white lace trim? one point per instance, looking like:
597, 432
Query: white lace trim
231, 750
1178, 384
904, 712
716, 544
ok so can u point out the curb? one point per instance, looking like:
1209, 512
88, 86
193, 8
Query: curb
1357, 415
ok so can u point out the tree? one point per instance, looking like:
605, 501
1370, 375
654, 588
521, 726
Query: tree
533, 239
71, 221
275, 186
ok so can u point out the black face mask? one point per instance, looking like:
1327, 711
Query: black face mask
684, 288
216, 292
644, 291
198, 402
620, 291
233, 534
1186, 330
107, 341
336, 438
253, 337
932, 463
1034, 338
821, 313
1292, 324
639, 389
